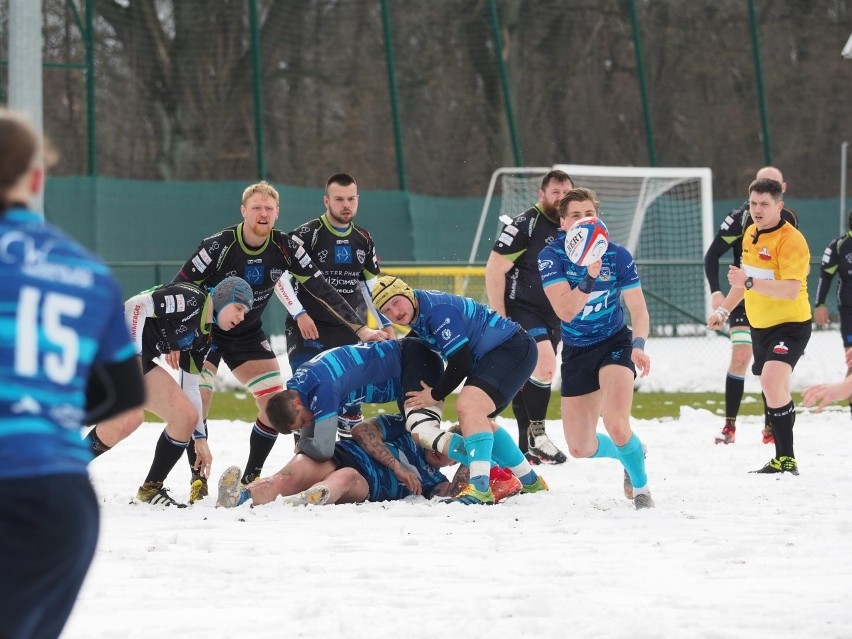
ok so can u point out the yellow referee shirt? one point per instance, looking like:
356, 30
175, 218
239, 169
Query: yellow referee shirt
778, 254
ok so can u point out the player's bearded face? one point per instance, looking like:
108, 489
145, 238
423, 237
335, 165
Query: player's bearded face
341, 202
552, 193
260, 213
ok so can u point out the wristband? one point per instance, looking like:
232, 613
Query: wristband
639, 342
587, 284
723, 313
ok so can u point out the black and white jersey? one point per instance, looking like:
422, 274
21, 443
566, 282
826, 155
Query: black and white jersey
225, 254
836, 260
346, 258
520, 242
172, 318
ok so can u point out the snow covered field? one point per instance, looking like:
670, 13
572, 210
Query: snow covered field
724, 554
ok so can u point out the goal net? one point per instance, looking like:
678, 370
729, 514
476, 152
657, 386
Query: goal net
663, 216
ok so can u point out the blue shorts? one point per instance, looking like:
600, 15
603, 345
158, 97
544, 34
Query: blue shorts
502, 372
581, 365
48, 534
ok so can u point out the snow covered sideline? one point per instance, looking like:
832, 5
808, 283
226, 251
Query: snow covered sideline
724, 554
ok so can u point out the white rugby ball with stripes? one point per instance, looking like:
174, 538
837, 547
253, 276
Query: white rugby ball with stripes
586, 241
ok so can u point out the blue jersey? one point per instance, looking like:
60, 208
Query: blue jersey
603, 315
448, 322
61, 312
349, 375
384, 486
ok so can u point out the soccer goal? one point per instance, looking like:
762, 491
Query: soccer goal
664, 216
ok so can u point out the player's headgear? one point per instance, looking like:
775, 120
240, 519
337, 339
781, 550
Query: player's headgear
231, 290
388, 287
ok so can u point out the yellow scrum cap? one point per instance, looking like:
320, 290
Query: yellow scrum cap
389, 286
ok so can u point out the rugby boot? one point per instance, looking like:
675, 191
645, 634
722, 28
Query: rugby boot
539, 485
152, 492
470, 496
503, 484
313, 496
768, 435
728, 434
197, 488
782, 464
541, 446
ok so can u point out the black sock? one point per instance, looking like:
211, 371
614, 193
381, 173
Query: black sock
734, 388
536, 399
520, 410
260, 445
97, 447
166, 455
782, 420
191, 455
767, 417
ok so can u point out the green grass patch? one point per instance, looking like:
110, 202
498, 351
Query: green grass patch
240, 405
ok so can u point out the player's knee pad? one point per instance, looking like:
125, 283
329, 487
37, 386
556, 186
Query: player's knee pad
265, 384
424, 424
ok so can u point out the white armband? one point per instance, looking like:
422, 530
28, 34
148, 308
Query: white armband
287, 295
136, 310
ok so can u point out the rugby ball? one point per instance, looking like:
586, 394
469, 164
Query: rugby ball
586, 241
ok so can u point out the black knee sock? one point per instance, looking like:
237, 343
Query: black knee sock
166, 455
536, 399
191, 455
734, 388
260, 445
520, 411
767, 418
97, 447
782, 420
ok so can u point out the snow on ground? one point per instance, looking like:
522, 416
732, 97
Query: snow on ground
724, 554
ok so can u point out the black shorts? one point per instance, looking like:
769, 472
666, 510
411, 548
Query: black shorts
502, 372
241, 348
783, 343
581, 365
541, 328
738, 317
300, 350
846, 325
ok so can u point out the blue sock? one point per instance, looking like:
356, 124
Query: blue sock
479, 446
505, 449
632, 457
606, 447
457, 451
244, 497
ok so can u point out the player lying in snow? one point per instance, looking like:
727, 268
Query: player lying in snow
381, 462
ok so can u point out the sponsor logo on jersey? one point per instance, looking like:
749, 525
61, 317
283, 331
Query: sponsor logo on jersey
180, 330
186, 341
266, 346
205, 256
322, 256
253, 274
504, 239
726, 223
616, 355
780, 348
199, 264
764, 254
191, 315
343, 255
447, 334
511, 229
17, 247
170, 303
545, 264
26, 405
181, 303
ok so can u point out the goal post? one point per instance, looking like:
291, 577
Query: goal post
663, 216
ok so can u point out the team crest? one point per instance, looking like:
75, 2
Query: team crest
276, 274
764, 254
343, 255
780, 349
253, 274
361, 255
605, 274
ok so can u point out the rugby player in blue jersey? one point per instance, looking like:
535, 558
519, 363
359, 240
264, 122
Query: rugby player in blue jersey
381, 462
175, 320
66, 358
491, 355
600, 353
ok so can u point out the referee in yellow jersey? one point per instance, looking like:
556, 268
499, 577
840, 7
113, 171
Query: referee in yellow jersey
773, 280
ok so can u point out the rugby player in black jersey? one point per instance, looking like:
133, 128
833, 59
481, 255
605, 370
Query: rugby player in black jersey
346, 255
175, 320
730, 236
513, 284
260, 254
